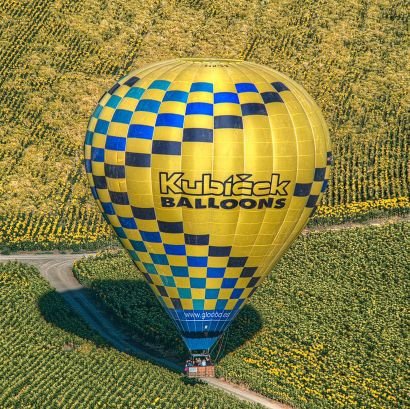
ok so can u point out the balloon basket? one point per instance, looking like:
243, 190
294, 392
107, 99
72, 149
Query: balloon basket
200, 366
201, 372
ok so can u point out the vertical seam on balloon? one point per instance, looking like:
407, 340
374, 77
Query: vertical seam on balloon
303, 93
167, 68
327, 144
243, 169
321, 121
182, 209
282, 77
98, 200
212, 175
264, 264
88, 157
267, 266
172, 66
150, 72
144, 72
297, 88
223, 324
293, 236
328, 147
182, 215
272, 149
173, 319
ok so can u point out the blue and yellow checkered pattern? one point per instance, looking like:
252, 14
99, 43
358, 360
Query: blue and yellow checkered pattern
217, 117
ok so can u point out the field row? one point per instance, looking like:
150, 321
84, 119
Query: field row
325, 330
50, 359
58, 58
334, 333
82, 227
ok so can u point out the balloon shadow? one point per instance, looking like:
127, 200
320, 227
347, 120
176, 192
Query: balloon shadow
128, 310
243, 328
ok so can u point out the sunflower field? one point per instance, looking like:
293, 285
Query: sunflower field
57, 57
326, 329
50, 359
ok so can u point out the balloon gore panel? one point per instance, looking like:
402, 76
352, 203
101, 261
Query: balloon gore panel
206, 170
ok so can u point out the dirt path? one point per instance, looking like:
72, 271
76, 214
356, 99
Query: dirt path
57, 270
377, 222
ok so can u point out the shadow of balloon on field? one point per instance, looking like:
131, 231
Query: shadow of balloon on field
132, 309
243, 328
57, 312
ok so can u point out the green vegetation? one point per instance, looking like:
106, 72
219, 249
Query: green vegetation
58, 56
332, 317
119, 285
43, 366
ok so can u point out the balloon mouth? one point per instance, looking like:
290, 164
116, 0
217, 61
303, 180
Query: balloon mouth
200, 344
200, 341
202, 334
212, 60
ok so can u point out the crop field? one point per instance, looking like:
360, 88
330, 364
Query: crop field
327, 329
50, 359
57, 57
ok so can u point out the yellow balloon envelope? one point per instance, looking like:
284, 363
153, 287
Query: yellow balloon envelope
207, 170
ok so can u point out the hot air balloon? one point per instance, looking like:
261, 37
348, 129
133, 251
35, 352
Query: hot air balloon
207, 170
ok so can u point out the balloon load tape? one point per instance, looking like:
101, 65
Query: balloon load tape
206, 170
